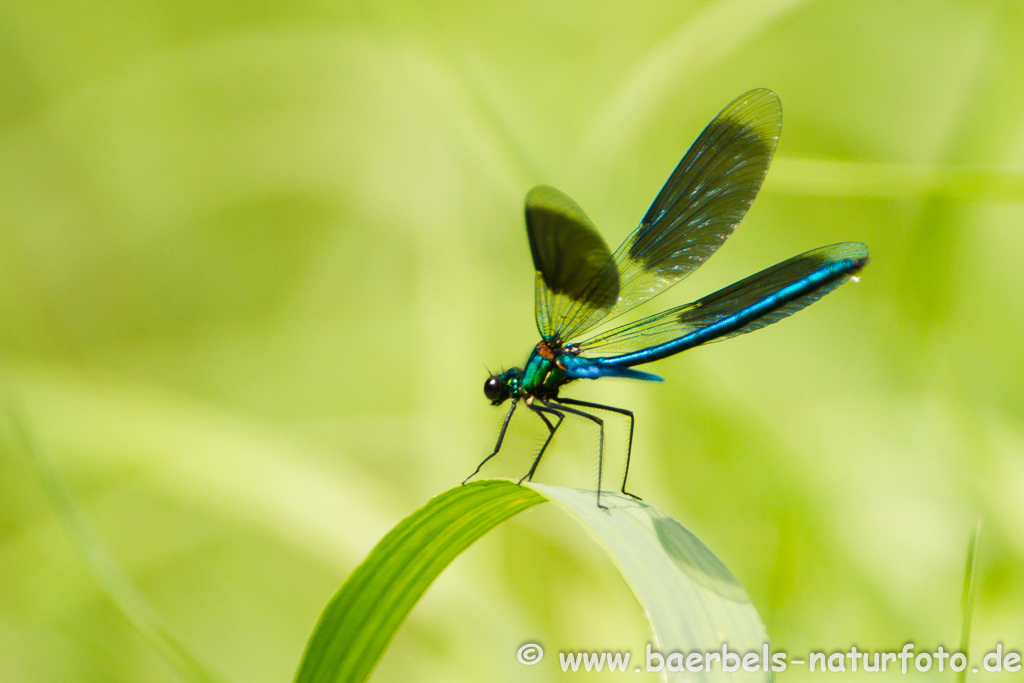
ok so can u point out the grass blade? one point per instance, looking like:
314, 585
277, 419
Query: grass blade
363, 616
692, 601
967, 598
112, 580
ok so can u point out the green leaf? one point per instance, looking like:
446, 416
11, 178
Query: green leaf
692, 601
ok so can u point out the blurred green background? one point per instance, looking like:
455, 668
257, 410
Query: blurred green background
254, 259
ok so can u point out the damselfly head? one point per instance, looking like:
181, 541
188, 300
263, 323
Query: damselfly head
498, 388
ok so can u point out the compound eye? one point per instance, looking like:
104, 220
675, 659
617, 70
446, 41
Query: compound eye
493, 388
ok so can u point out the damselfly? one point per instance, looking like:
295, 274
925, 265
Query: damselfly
580, 283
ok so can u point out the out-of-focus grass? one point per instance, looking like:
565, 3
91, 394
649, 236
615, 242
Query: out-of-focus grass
117, 587
254, 258
967, 599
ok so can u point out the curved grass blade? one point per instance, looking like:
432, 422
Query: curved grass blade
692, 601
112, 580
363, 616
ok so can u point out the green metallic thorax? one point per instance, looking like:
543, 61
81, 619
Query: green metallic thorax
543, 375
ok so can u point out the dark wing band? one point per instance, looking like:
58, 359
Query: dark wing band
576, 276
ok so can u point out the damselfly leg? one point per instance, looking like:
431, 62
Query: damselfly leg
552, 428
620, 411
600, 445
497, 446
